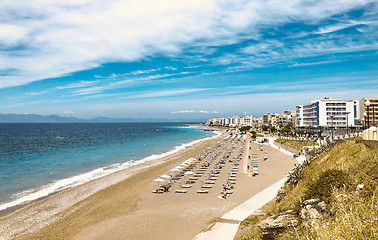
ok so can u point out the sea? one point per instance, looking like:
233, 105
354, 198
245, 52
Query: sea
38, 159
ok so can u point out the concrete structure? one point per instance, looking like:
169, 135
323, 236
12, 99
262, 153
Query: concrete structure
326, 113
370, 134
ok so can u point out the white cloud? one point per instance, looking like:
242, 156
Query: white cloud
35, 93
68, 112
165, 93
340, 26
77, 85
61, 37
184, 111
11, 34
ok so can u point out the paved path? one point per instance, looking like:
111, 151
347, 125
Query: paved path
245, 160
226, 227
299, 159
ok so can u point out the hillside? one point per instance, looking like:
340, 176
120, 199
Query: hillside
333, 197
35, 118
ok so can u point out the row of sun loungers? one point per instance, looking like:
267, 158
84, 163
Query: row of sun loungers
191, 170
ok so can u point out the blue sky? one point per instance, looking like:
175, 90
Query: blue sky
184, 59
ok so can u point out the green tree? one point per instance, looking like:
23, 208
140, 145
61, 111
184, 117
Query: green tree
288, 127
245, 128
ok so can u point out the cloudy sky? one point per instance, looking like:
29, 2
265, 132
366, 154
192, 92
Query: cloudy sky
183, 59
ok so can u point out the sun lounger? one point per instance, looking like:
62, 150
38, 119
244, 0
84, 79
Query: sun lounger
180, 191
209, 182
212, 178
206, 186
193, 178
185, 186
202, 191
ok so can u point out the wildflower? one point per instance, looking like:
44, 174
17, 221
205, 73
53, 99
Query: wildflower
342, 235
355, 226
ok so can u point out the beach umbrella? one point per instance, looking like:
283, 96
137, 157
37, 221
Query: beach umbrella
189, 173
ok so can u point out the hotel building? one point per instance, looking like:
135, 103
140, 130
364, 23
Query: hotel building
326, 113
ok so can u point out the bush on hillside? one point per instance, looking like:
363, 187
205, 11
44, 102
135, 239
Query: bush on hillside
245, 128
322, 188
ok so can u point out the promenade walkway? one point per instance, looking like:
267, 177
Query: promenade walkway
226, 227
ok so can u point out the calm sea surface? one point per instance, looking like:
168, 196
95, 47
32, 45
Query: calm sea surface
35, 155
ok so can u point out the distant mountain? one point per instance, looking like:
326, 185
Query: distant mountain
35, 118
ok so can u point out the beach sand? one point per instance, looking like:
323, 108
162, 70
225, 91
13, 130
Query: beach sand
122, 205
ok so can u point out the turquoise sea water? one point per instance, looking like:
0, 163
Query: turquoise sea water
35, 158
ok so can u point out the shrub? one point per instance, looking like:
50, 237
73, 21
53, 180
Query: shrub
324, 185
245, 128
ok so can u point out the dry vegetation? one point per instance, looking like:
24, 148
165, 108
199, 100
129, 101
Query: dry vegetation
333, 178
296, 144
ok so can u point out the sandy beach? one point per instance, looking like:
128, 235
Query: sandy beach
122, 205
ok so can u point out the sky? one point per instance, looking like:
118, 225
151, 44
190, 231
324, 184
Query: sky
179, 59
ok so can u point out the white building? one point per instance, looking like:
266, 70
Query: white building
267, 118
326, 113
235, 121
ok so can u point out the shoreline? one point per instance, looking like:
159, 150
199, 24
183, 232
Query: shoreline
57, 186
121, 204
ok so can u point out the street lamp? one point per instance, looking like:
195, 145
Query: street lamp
347, 113
365, 118
332, 126
367, 104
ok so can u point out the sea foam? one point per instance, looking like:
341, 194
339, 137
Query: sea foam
29, 195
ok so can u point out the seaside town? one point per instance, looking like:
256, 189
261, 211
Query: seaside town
189, 120
327, 117
278, 176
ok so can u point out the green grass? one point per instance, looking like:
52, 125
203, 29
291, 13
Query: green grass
333, 177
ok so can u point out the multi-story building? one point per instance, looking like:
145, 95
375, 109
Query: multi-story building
235, 121
367, 115
326, 113
285, 118
268, 118
252, 121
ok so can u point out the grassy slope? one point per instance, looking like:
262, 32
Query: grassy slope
350, 216
296, 144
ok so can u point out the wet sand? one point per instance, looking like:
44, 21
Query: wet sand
122, 205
